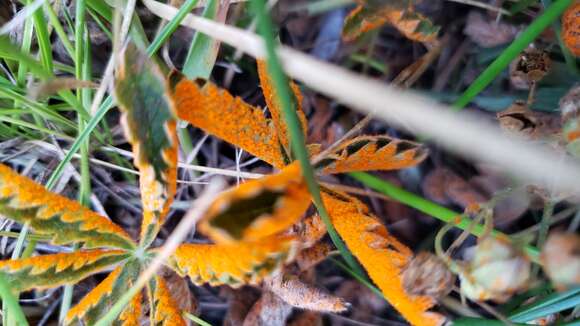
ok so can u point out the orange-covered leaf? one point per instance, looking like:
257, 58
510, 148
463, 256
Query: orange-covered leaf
100, 299
367, 153
382, 255
258, 208
50, 271
25, 201
231, 264
276, 109
166, 310
218, 113
371, 14
150, 126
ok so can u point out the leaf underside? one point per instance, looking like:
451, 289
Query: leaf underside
381, 254
150, 126
275, 108
258, 208
49, 271
218, 113
100, 299
367, 153
231, 264
166, 310
371, 14
25, 201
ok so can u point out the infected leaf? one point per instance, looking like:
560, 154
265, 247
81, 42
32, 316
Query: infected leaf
276, 109
309, 230
301, 295
132, 314
25, 201
100, 299
382, 255
571, 28
258, 208
310, 257
371, 14
366, 153
150, 126
167, 312
232, 264
48, 271
218, 113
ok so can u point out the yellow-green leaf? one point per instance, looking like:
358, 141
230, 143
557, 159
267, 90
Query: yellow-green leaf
371, 14
218, 113
232, 264
25, 201
150, 126
258, 208
381, 254
50, 271
98, 301
367, 153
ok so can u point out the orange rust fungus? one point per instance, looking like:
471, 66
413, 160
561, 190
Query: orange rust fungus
233, 264
383, 256
366, 153
571, 28
167, 312
293, 200
25, 193
220, 114
131, 316
399, 17
276, 109
94, 297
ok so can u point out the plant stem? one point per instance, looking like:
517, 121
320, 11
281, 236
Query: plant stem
439, 212
297, 140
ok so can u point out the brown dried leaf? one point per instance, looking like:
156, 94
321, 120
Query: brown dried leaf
561, 259
301, 295
488, 33
310, 257
269, 310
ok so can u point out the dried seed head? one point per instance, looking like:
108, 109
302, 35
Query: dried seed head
561, 259
496, 271
427, 274
530, 67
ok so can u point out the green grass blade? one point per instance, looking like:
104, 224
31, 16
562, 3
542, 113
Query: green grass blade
471, 321
171, 26
43, 39
550, 304
439, 212
280, 82
58, 28
196, 319
512, 51
10, 302
203, 50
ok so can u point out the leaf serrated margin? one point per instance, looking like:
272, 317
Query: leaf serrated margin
381, 254
26, 201
48, 271
150, 126
218, 113
232, 264
167, 312
93, 305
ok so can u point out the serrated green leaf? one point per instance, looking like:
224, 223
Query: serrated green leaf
50, 271
25, 201
150, 126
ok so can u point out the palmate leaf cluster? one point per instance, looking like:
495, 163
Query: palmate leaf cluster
149, 121
249, 225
